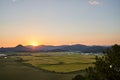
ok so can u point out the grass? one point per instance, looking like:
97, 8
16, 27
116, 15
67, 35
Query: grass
12, 70
45, 66
65, 67
60, 61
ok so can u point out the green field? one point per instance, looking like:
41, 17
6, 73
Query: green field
12, 70
59, 61
44, 66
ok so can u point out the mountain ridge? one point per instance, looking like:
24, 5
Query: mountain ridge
51, 48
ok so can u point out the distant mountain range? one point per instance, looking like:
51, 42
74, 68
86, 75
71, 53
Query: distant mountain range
51, 48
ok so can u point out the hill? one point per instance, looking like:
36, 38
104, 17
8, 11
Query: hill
50, 48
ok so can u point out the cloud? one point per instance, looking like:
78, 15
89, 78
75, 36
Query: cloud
94, 2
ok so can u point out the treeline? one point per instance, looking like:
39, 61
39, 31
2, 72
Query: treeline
106, 67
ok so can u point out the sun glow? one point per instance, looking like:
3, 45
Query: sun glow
34, 43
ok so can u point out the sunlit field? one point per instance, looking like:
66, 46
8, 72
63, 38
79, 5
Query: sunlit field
60, 61
44, 66
11, 69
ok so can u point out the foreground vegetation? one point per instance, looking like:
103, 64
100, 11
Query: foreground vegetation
106, 67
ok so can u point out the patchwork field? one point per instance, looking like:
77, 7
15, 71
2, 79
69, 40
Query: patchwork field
10, 69
44, 66
59, 61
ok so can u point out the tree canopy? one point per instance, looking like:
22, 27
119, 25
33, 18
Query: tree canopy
106, 67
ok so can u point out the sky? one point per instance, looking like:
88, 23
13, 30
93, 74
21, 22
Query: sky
59, 22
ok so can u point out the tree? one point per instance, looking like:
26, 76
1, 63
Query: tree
106, 67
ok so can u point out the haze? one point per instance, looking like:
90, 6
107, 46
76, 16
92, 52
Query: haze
59, 22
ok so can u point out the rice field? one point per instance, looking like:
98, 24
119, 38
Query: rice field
12, 70
60, 61
44, 66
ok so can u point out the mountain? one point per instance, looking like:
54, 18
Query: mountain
51, 48
72, 48
18, 48
21, 48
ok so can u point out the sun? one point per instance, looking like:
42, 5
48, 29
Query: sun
34, 43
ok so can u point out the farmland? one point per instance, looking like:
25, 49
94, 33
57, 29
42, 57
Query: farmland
44, 66
59, 61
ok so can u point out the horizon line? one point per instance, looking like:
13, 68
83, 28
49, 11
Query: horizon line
59, 45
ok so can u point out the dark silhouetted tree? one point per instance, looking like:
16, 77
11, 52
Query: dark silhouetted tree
106, 67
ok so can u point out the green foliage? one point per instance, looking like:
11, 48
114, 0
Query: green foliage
91, 74
106, 67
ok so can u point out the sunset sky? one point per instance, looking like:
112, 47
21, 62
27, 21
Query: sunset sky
59, 22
